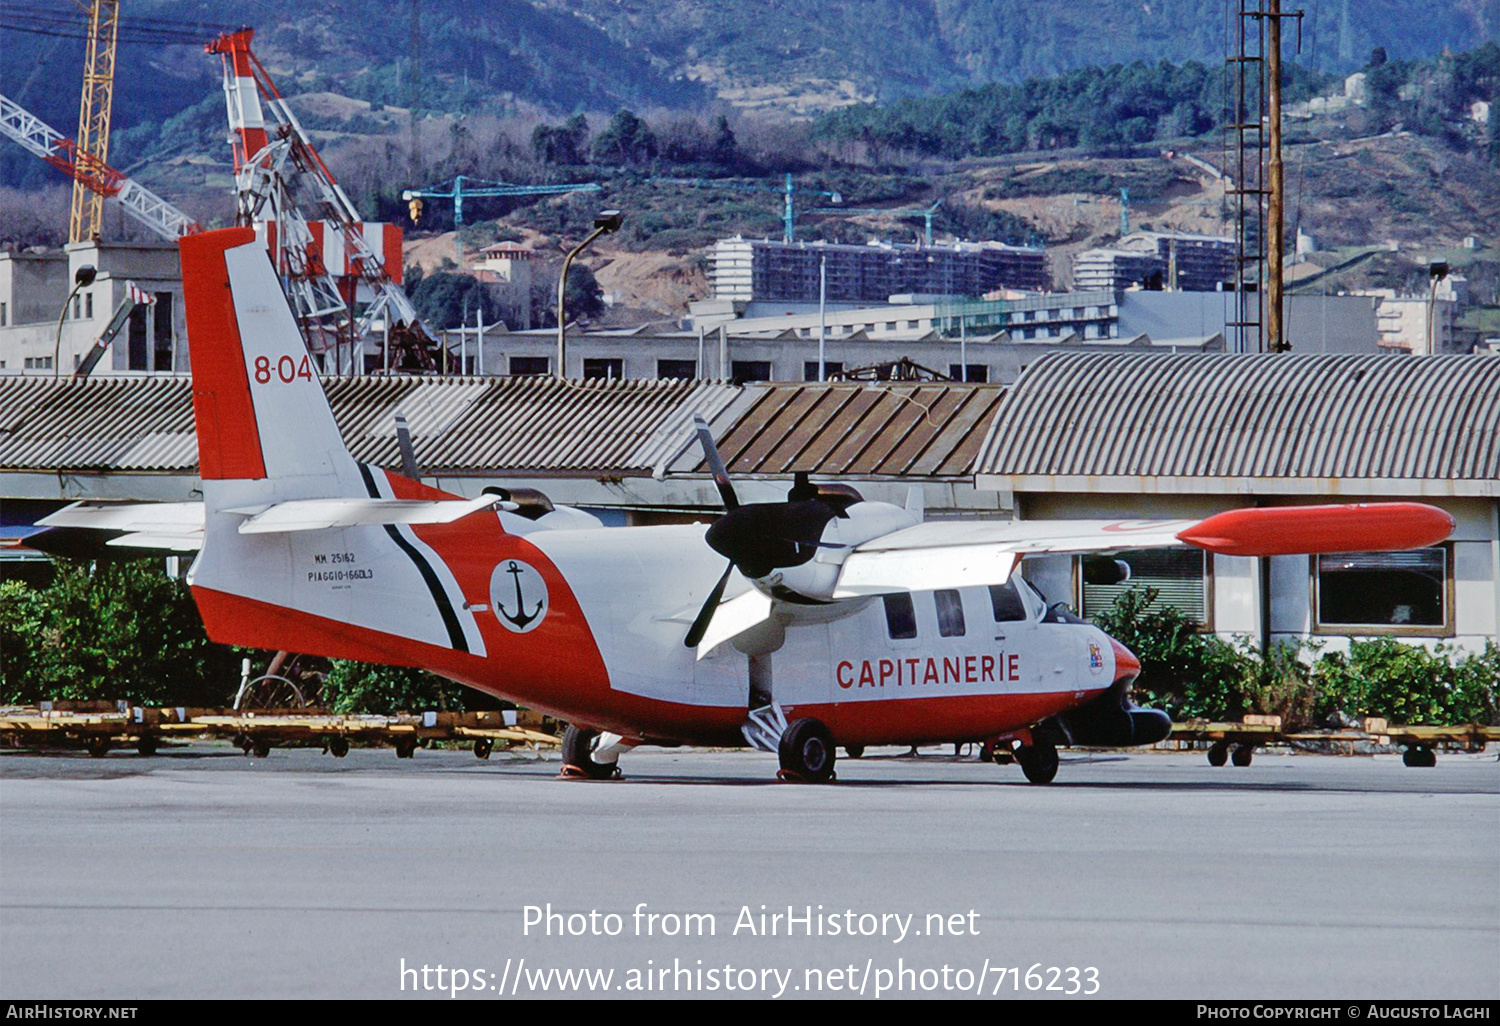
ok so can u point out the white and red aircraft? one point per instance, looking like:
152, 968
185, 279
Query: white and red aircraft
792, 626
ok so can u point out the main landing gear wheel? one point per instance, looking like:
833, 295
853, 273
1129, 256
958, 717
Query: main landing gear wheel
854, 751
1419, 756
1241, 755
260, 749
807, 752
1038, 761
578, 756
146, 745
483, 747
338, 747
406, 747
1218, 754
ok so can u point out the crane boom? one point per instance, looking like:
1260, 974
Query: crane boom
788, 190
94, 107
277, 169
101, 180
460, 189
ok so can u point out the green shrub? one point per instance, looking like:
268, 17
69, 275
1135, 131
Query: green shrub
1409, 684
110, 631
353, 687
1187, 672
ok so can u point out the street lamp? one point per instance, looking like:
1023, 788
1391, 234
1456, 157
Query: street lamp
607, 221
1437, 271
82, 278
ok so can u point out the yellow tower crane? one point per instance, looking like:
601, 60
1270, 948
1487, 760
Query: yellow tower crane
87, 216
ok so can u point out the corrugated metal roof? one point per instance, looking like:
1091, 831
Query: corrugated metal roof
855, 429
1365, 417
459, 425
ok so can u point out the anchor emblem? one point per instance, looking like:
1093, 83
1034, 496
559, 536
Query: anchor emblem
518, 618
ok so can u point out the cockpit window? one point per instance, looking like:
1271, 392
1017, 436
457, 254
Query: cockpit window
1036, 605
1059, 613
1005, 602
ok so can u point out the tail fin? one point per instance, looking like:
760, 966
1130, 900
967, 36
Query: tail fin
252, 371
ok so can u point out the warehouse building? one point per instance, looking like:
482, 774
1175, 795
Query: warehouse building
1175, 261
746, 270
1125, 436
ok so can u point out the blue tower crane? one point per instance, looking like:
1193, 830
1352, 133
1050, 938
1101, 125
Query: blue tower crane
925, 213
789, 189
462, 188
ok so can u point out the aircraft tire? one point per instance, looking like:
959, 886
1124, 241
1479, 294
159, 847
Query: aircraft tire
806, 751
260, 749
1039, 762
854, 751
338, 747
1241, 755
1424, 758
483, 747
1218, 754
578, 752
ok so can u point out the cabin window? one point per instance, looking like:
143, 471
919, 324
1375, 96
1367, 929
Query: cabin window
1178, 576
950, 613
1006, 603
900, 616
1384, 592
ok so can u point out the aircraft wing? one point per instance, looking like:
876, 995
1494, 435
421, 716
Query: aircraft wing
957, 553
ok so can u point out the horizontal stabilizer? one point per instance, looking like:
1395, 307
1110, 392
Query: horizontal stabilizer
322, 514
162, 517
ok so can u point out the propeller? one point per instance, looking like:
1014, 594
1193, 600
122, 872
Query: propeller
759, 538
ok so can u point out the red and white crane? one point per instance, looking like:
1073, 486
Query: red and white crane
328, 258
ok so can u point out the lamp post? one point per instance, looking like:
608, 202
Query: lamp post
1436, 271
607, 221
82, 278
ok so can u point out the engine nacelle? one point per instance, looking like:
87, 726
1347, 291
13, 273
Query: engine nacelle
1113, 721
814, 581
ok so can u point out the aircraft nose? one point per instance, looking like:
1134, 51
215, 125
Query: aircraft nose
1126, 663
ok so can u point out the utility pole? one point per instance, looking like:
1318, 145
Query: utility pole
1275, 328
822, 316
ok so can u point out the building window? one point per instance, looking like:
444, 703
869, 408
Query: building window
1384, 592
976, 372
830, 368
3, 320
1006, 602
1030, 333
611, 369
136, 349
523, 366
161, 331
88, 305
890, 325
900, 615
77, 306
745, 371
1179, 577
687, 369
950, 613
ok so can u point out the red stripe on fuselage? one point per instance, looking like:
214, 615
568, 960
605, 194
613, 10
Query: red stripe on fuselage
934, 720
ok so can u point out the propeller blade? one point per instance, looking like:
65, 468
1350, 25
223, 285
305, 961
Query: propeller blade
706, 614
715, 463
